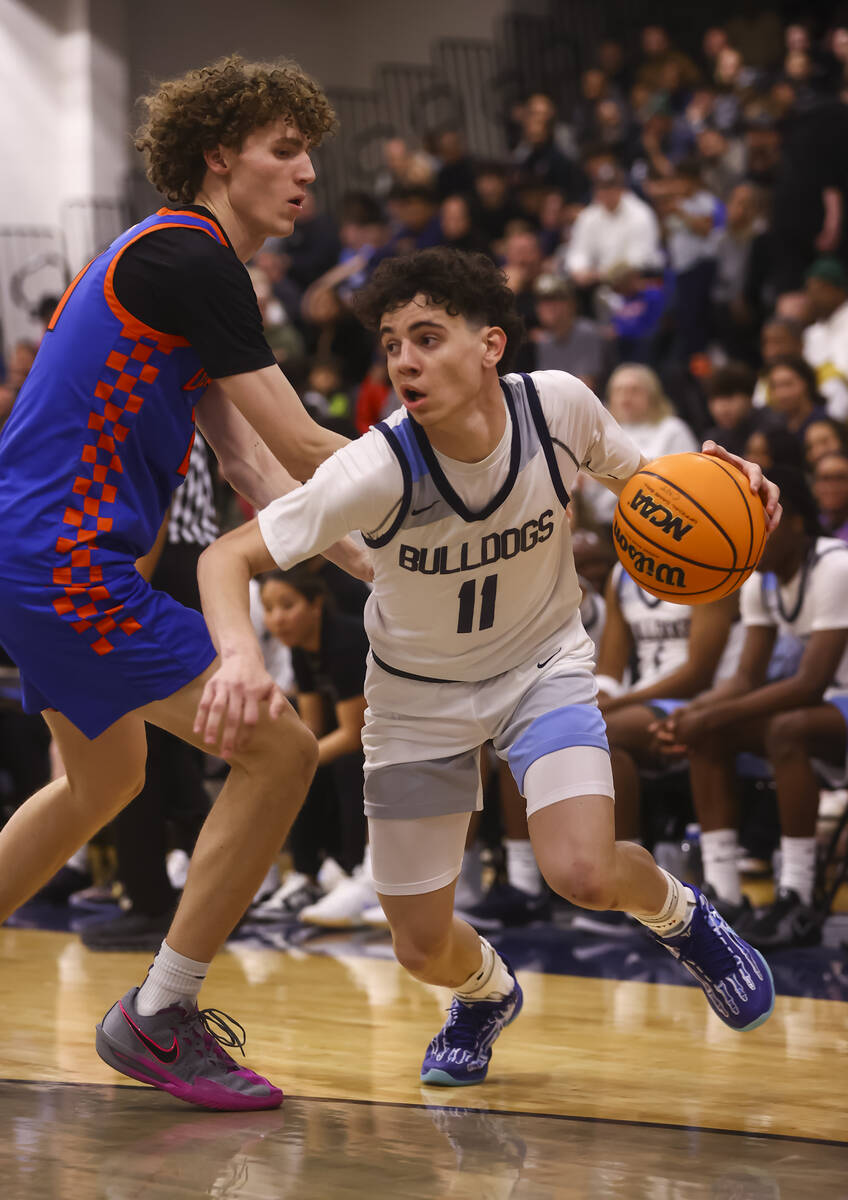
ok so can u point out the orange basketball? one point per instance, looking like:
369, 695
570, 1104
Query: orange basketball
689, 529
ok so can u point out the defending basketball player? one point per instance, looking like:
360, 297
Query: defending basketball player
98, 440
475, 634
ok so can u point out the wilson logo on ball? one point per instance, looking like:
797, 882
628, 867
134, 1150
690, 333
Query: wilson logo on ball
643, 564
660, 516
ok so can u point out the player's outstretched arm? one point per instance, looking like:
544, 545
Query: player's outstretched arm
230, 702
269, 403
255, 473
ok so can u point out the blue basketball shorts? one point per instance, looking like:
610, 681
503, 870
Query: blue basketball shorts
99, 654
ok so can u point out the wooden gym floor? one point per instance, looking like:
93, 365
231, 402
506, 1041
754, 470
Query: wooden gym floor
606, 1086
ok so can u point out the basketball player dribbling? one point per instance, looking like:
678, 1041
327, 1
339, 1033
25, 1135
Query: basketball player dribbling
475, 635
98, 440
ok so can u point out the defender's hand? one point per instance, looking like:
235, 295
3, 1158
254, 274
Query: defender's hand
229, 706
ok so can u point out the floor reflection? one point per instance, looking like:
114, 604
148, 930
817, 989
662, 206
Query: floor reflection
113, 1143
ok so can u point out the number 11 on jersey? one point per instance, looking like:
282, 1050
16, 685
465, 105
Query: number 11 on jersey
467, 601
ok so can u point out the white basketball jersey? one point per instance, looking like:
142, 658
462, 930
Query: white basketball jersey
660, 630
463, 593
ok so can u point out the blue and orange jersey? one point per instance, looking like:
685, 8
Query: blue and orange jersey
101, 432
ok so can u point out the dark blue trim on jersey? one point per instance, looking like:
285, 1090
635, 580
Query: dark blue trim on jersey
384, 666
440, 479
405, 435
384, 538
544, 433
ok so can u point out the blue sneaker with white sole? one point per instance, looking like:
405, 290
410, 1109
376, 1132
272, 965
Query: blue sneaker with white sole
459, 1053
734, 976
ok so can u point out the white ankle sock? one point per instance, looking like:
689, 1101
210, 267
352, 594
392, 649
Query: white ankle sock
720, 850
491, 980
798, 866
172, 979
521, 868
676, 913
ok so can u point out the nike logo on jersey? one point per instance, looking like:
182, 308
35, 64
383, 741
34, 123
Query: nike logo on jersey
416, 511
548, 659
165, 1056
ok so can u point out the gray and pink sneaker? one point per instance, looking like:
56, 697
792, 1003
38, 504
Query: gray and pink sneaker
182, 1052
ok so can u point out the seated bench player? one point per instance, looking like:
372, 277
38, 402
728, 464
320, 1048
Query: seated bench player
475, 635
798, 722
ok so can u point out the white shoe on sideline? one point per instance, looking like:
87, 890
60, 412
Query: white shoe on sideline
330, 874
342, 908
268, 885
176, 864
294, 894
375, 917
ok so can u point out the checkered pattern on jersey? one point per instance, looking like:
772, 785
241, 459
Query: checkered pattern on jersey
118, 397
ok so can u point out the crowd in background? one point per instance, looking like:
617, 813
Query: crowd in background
678, 239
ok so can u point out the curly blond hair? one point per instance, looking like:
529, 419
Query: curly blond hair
220, 105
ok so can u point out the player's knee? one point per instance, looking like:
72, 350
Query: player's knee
584, 882
417, 950
785, 734
281, 748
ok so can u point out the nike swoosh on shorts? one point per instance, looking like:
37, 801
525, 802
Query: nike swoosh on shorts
548, 659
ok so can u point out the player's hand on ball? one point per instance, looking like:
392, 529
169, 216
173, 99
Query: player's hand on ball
229, 706
769, 492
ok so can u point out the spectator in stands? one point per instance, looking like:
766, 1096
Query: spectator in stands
713, 42
779, 337
334, 331
496, 207
538, 157
403, 168
811, 191
691, 218
17, 368
455, 175
634, 304
457, 226
773, 445
376, 398
826, 340
830, 488
325, 395
733, 318
522, 265
612, 60
564, 341
722, 160
730, 393
362, 231
792, 393
763, 142
313, 247
617, 227
417, 212
824, 436
636, 399
284, 338
657, 55
798, 723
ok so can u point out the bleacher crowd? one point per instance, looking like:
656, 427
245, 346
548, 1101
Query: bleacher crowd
678, 239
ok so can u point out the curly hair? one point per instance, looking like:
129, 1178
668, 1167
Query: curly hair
220, 105
463, 284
